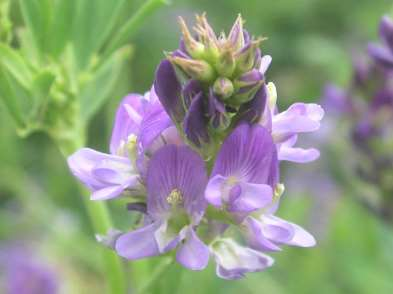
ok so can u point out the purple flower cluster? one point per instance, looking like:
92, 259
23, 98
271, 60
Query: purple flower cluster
368, 105
204, 190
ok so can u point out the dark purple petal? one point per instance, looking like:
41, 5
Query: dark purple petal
193, 253
190, 90
252, 110
138, 244
168, 90
174, 168
248, 154
127, 121
195, 126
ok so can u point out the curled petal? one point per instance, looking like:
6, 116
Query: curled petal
213, 192
298, 118
251, 197
265, 63
127, 121
106, 175
193, 253
138, 244
298, 155
234, 261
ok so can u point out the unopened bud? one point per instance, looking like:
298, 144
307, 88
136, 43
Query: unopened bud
194, 48
245, 59
246, 93
225, 64
223, 87
248, 79
197, 69
236, 37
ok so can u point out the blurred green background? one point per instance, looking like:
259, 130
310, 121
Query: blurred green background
311, 42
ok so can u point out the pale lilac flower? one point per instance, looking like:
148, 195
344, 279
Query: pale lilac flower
267, 232
175, 182
287, 125
141, 126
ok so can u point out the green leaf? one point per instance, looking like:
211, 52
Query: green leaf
61, 26
134, 23
11, 61
15, 98
99, 88
93, 22
41, 86
37, 16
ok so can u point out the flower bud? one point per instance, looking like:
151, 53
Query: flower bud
226, 64
197, 69
246, 93
193, 47
236, 36
223, 87
245, 59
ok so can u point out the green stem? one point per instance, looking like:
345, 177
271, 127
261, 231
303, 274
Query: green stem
158, 272
101, 221
134, 24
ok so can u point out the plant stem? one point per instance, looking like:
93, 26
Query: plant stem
101, 222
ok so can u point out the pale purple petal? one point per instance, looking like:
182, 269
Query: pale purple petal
284, 232
193, 253
251, 197
265, 63
249, 155
255, 236
234, 261
213, 192
138, 244
298, 155
127, 121
381, 54
104, 174
298, 118
173, 167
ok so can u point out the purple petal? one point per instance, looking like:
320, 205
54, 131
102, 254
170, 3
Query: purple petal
276, 227
213, 192
298, 155
251, 197
234, 261
138, 244
256, 237
195, 122
265, 63
248, 154
179, 168
381, 54
127, 121
106, 175
190, 90
168, 90
298, 118
193, 253
154, 122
